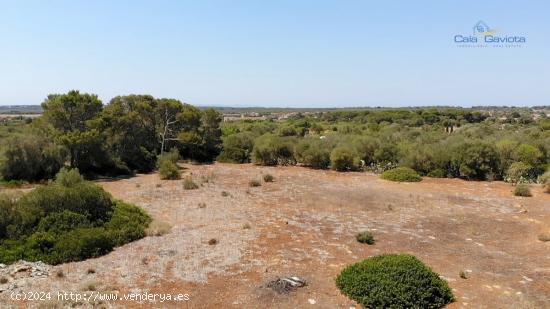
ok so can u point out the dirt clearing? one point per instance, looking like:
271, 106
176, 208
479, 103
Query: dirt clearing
304, 224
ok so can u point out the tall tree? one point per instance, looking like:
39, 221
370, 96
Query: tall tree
73, 117
130, 128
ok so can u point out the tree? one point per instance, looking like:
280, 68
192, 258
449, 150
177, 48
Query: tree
74, 118
167, 121
130, 128
211, 134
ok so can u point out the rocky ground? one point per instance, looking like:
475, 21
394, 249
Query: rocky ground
228, 240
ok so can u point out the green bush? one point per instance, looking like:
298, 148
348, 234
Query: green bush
475, 160
64, 221
314, 153
519, 172
529, 154
522, 189
394, 281
168, 165
345, 158
68, 220
127, 223
272, 150
31, 158
237, 148
365, 238
401, 174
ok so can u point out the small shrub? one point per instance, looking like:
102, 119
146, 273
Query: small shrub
60, 274
213, 241
254, 183
522, 190
365, 238
158, 228
225, 194
158, 185
401, 174
394, 281
202, 205
90, 271
268, 178
545, 180
3, 280
544, 237
189, 184
462, 275
246, 226
169, 171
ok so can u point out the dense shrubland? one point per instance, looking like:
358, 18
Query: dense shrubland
130, 133
433, 142
69, 219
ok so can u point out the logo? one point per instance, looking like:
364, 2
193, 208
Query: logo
485, 36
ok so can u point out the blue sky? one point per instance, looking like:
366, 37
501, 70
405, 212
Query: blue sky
275, 53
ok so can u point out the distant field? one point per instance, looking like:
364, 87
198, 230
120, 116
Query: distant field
20, 110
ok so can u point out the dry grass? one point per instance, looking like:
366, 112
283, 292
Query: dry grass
254, 183
544, 237
189, 184
158, 228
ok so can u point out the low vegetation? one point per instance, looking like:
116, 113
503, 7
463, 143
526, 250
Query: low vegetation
473, 144
158, 228
522, 190
168, 165
268, 178
126, 135
254, 183
189, 183
68, 220
401, 174
394, 281
365, 238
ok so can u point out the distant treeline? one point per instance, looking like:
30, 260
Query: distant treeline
129, 133
513, 145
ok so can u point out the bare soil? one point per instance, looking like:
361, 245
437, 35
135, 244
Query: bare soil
304, 224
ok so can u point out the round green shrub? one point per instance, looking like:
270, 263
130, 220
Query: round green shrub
345, 159
401, 174
268, 178
169, 170
522, 189
394, 281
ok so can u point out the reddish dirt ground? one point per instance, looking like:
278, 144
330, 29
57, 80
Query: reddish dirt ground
304, 224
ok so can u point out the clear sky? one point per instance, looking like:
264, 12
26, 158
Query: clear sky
275, 53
